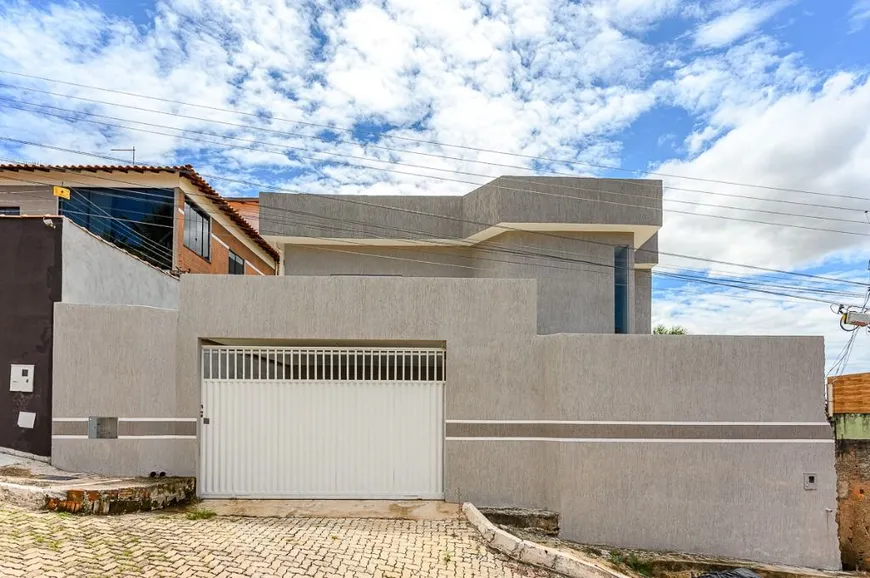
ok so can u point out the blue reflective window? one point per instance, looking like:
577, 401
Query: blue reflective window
139, 221
620, 290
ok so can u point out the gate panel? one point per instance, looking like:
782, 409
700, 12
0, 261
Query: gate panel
322, 423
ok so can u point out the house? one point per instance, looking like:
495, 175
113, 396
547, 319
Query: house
589, 243
849, 412
168, 216
248, 208
493, 347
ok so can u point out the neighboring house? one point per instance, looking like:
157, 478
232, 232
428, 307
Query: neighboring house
168, 216
248, 208
492, 348
849, 410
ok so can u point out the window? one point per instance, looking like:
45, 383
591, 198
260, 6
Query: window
197, 230
620, 290
139, 221
237, 265
10, 211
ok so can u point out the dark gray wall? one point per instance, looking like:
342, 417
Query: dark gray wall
30, 285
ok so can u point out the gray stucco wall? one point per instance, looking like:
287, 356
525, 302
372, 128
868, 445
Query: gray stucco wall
574, 272
642, 301
30, 199
138, 381
643, 482
97, 272
508, 199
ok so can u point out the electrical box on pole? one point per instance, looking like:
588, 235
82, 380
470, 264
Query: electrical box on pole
856, 318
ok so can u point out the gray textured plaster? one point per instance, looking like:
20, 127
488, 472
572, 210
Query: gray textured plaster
96, 272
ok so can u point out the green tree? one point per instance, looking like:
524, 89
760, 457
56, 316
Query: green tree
672, 330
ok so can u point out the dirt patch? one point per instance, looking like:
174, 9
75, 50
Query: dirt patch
653, 564
539, 521
15, 472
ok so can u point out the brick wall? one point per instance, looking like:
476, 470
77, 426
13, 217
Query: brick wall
853, 503
218, 264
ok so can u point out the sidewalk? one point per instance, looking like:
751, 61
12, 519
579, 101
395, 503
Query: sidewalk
36, 485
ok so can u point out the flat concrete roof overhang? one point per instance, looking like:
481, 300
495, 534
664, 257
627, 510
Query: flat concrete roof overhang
641, 234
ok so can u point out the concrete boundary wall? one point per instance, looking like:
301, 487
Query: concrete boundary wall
695, 443
119, 361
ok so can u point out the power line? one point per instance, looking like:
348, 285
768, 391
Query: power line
755, 221
741, 286
346, 199
436, 143
389, 149
397, 163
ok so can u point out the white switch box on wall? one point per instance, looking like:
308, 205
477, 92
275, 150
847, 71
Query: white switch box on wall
26, 419
21, 378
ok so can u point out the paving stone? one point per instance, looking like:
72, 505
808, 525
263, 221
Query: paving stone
38, 544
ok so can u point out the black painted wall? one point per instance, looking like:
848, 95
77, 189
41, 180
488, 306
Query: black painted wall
30, 284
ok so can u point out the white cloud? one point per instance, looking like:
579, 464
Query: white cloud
727, 28
859, 15
806, 141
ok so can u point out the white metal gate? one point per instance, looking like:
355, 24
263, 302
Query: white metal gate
292, 422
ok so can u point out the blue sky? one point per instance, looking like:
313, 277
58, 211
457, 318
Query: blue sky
773, 94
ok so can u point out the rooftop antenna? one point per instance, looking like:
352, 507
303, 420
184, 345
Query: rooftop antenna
129, 150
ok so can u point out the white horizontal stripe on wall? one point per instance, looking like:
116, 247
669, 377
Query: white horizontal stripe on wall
600, 422
160, 419
642, 440
162, 437
129, 419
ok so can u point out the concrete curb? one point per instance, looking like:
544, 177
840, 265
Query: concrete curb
28, 497
532, 553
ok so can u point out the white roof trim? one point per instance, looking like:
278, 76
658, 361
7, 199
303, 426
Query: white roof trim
642, 234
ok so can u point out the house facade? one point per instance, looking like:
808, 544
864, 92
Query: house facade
589, 243
167, 216
492, 348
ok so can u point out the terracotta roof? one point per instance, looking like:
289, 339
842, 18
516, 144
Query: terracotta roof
248, 208
186, 171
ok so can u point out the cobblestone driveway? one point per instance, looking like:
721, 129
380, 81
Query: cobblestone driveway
52, 545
